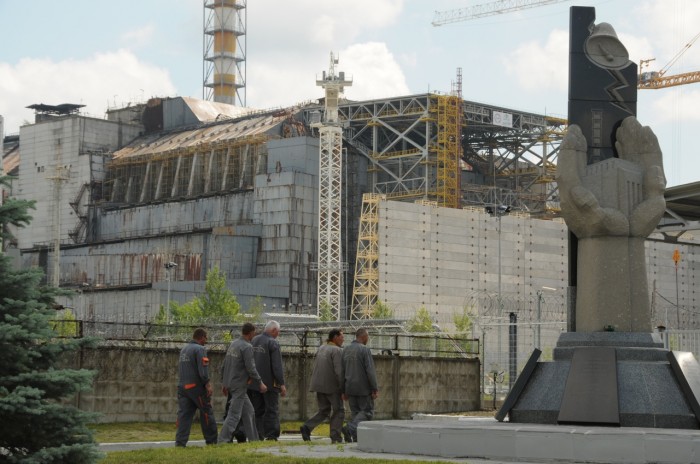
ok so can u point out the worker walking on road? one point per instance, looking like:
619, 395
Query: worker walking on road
268, 361
237, 372
360, 383
327, 381
194, 390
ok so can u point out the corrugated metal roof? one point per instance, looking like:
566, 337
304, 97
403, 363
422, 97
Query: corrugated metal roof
206, 110
684, 200
247, 126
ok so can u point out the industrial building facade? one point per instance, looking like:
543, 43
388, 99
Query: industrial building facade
203, 184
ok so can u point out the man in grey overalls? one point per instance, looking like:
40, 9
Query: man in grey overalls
237, 373
194, 390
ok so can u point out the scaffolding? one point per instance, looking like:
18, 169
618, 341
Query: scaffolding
447, 150
366, 285
496, 147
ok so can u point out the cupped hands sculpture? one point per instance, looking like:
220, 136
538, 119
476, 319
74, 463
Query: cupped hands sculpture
611, 207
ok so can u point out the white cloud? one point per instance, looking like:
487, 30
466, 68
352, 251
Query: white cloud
676, 105
304, 25
374, 70
538, 66
670, 25
100, 81
139, 37
288, 50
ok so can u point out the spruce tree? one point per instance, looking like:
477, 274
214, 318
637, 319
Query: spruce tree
37, 425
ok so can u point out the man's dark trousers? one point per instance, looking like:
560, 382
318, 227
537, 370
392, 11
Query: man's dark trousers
267, 407
189, 400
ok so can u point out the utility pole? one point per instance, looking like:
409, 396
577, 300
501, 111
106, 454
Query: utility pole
169, 266
676, 260
58, 178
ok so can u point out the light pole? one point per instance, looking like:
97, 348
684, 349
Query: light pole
539, 314
498, 210
169, 266
676, 260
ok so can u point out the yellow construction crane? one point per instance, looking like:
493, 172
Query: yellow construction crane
659, 79
487, 9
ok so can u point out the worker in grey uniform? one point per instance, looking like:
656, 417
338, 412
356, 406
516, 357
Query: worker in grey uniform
194, 390
237, 372
327, 381
360, 383
268, 362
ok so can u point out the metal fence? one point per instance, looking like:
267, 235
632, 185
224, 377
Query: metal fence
386, 339
682, 340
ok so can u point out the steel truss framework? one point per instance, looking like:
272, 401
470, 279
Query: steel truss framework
505, 148
331, 267
366, 285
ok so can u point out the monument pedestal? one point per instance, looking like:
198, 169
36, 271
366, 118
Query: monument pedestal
648, 392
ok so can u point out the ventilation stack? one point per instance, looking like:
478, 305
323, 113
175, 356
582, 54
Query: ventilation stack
224, 51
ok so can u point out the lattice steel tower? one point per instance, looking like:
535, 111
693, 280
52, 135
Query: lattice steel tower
224, 51
331, 268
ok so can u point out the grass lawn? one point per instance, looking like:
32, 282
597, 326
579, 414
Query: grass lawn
126, 432
219, 454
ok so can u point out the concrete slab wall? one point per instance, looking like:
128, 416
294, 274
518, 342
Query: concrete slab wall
65, 142
439, 258
446, 259
138, 384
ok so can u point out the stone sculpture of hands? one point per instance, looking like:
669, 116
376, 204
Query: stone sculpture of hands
583, 211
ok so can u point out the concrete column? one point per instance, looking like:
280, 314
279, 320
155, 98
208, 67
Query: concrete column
146, 183
174, 191
159, 183
244, 164
193, 176
227, 162
210, 167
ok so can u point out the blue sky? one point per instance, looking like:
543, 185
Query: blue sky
105, 53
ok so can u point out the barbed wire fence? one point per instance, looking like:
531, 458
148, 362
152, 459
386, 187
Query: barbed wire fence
510, 327
386, 337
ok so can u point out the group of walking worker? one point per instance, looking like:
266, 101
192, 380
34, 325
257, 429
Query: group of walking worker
343, 374
252, 378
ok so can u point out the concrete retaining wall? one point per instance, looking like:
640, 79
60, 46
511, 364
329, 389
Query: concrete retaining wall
139, 384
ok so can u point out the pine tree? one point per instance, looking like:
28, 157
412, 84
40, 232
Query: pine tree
37, 425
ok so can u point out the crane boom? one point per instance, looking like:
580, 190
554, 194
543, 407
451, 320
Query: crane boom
656, 82
487, 9
659, 80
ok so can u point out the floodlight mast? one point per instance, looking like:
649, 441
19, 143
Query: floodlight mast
330, 266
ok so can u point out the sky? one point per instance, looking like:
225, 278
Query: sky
104, 54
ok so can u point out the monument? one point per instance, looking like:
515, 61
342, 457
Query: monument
612, 390
612, 370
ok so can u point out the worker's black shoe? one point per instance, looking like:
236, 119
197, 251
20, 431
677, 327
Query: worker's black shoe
305, 433
347, 435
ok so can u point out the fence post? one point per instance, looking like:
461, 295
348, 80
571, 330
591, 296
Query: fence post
396, 377
302, 377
